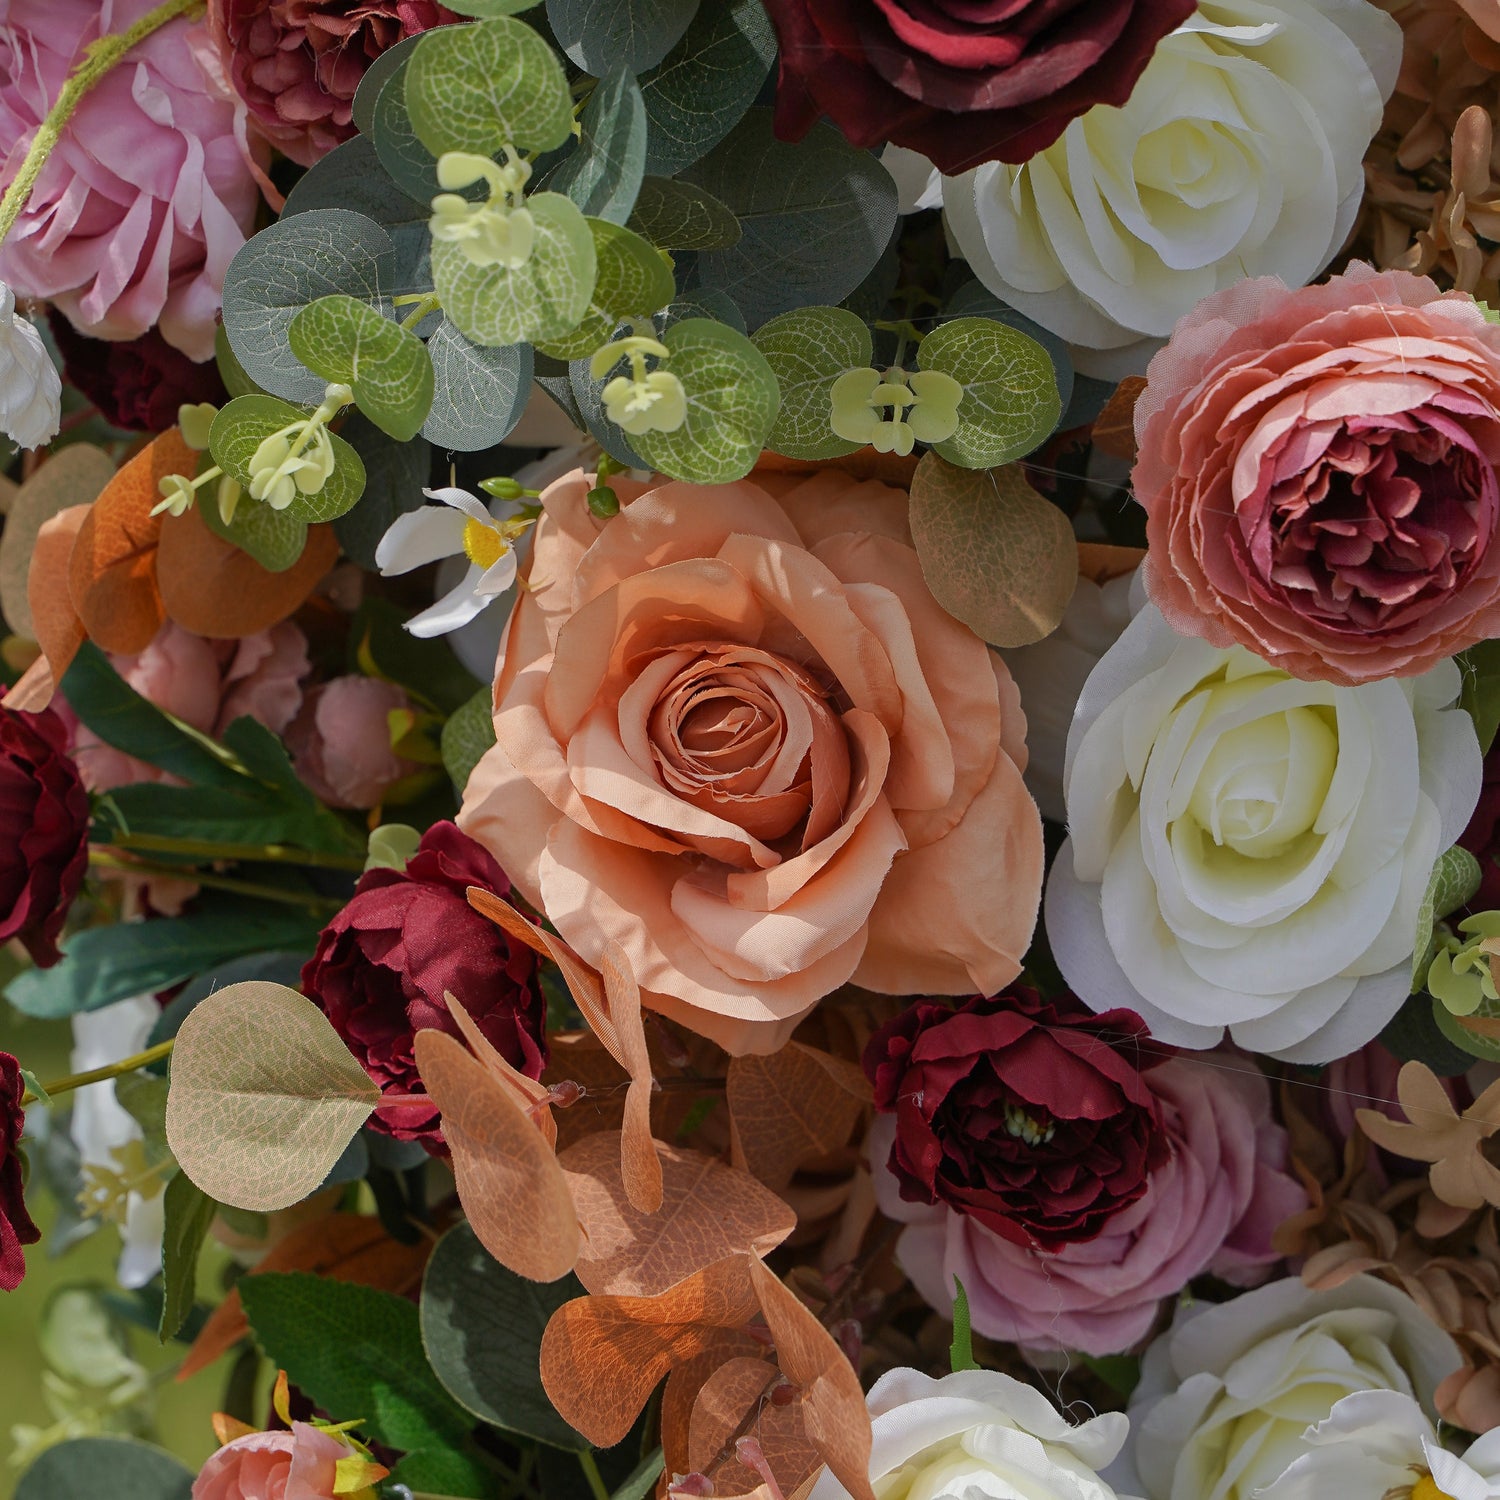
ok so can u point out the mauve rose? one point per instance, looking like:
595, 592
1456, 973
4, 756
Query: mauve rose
1317, 467
297, 63
16, 1228
1031, 1117
961, 81
383, 964
341, 741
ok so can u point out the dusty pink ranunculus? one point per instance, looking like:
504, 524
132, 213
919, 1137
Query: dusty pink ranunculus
151, 189
1318, 470
296, 1465
341, 741
1212, 1206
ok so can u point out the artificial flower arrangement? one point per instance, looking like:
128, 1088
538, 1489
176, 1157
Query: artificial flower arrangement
751, 741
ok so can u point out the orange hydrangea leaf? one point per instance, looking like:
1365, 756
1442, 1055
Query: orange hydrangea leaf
735, 1401
528, 1092
708, 1212
1114, 427
59, 631
508, 919
509, 1180
211, 587
680, 1394
640, 1163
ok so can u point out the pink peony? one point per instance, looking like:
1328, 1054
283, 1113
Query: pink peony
296, 1465
1211, 1207
1318, 469
150, 190
341, 741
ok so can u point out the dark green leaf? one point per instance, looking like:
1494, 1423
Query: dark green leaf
426, 668
188, 1211
92, 1468
265, 757
643, 1480
1415, 1033
280, 968
1480, 695
395, 474
373, 80
681, 216
602, 34
467, 734
272, 537
961, 1351
974, 300
603, 175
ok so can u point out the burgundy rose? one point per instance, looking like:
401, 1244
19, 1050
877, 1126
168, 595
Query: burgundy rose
16, 1228
44, 829
1031, 1117
382, 965
138, 384
961, 81
1482, 837
297, 63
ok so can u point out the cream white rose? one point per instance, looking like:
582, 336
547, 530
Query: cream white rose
1226, 1395
983, 1436
30, 387
1237, 154
1248, 850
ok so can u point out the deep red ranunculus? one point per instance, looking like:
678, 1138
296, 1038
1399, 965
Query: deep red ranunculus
16, 1228
1032, 1117
961, 81
44, 830
382, 965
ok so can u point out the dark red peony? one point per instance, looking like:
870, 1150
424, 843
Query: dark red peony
138, 384
44, 829
961, 81
297, 63
382, 966
16, 1228
1032, 1117
1482, 837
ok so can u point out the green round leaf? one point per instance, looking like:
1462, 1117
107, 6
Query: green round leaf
681, 216
91, 1467
601, 34
374, 78
1010, 401
480, 391
975, 300
603, 175
544, 299
633, 279
477, 88
411, 165
807, 351
394, 476
732, 398
273, 538
1472, 1042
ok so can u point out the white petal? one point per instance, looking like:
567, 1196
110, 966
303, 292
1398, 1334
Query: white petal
418, 537
470, 505
457, 607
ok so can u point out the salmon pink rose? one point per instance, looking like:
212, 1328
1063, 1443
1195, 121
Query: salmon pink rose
298, 1465
737, 737
1318, 469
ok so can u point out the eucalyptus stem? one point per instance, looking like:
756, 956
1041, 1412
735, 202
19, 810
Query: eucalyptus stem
104, 860
98, 58
590, 1467
270, 854
99, 1075
424, 308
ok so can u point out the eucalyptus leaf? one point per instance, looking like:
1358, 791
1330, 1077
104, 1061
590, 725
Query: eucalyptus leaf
87, 1468
381, 67
633, 279
603, 175
273, 538
808, 350
1453, 1030
1455, 877
601, 34
480, 392
412, 167
395, 474
702, 302
587, 398
236, 381
975, 300
682, 216
484, 9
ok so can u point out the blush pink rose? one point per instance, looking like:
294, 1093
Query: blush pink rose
1211, 1207
151, 189
296, 1465
738, 738
1318, 470
341, 741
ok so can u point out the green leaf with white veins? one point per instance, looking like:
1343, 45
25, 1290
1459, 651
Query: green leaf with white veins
1010, 401
272, 537
481, 391
808, 350
633, 279
732, 399
543, 299
477, 88
604, 174
682, 216
601, 34
386, 366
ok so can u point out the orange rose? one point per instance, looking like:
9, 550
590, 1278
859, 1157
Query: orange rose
738, 737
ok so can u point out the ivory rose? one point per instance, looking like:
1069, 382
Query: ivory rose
737, 737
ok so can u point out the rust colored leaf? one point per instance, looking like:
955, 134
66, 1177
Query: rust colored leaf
580, 1057
212, 588
1114, 427
790, 1107
527, 1092
603, 1356
1099, 562
59, 631
508, 919
639, 1161
708, 1211
834, 1411
509, 1181
680, 1394
733, 1402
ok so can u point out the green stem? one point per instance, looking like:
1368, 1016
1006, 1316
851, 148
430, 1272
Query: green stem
425, 306
110, 1070
99, 57
104, 860
590, 1467
270, 854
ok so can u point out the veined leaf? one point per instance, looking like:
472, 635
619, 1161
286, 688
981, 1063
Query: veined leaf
633, 279
807, 350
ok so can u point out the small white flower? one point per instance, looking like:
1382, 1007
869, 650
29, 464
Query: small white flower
465, 528
30, 388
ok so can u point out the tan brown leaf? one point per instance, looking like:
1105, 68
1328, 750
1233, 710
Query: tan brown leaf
639, 1162
1114, 427
680, 1394
603, 1356
508, 919
708, 1211
528, 1092
509, 1182
1100, 562
59, 630
732, 1403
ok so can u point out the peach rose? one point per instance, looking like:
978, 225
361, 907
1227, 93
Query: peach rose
1318, 468
295, 1465
737, 736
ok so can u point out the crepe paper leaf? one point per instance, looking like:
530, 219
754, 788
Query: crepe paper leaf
59, 631
603, 1356
732, 400
468, 732
265, 1096
277, 272
791, 1107
961, 1350
357, 1353
1010, 401
816, 215
682, 216
122, 1468
482, 1328
708, 1211
974, 300
603, 174
238, 431
833, 1404
478, 88
640, 1161
74, 475
735, 1392
1479, 696
995, 554
543, 299
508, 1178
274, 538
602, 34
1114, 427
187, 1213
634, 279
525, 1092
807, 350
1455, 877
211, 587
479, 393
701, 89
385, 365
339, 1246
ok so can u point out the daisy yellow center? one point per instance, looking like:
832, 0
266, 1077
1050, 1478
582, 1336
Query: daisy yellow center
1426, 1489
483, 545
